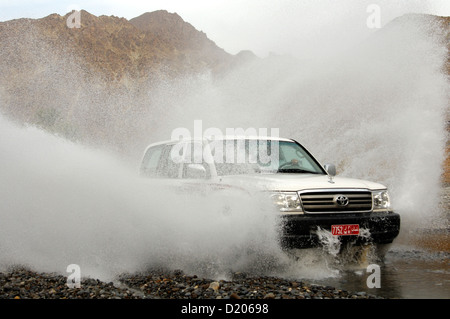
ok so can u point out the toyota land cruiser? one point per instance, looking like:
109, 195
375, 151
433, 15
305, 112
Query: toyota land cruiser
308, 195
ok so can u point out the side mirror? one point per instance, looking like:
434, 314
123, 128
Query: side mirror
330, 168
196, 171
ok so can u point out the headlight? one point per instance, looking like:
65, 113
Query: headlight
287, 202
381, 200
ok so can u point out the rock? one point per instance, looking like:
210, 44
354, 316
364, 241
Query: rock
214, 286
270, 295
234, 296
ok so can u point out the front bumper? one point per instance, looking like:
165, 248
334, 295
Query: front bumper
299, 231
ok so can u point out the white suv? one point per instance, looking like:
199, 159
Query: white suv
307, 194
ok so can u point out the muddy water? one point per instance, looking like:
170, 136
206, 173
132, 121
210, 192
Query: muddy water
406, 273
416, 267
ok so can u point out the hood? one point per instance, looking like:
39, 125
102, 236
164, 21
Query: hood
296, 182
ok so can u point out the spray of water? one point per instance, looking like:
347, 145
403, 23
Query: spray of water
63, 203
377, 111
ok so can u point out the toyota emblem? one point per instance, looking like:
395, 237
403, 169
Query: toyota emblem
341, 200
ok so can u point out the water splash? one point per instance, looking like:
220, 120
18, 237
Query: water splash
376, 111
63, 203
331, 244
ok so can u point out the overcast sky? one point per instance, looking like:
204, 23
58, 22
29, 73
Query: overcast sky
263, 26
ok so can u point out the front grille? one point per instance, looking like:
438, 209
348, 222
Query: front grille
335, 201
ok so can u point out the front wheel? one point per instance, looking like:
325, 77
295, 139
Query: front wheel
381, 250
365, 254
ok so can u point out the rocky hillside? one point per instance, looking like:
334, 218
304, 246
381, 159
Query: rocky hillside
88, 82
117, 47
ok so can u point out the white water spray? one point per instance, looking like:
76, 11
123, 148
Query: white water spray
377, 111
63, 204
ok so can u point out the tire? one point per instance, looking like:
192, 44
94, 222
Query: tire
381, 250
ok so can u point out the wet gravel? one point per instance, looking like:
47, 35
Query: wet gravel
21, 283
241, 286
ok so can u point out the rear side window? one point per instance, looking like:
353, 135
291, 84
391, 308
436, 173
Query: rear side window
151, 161
157, 162
168, 167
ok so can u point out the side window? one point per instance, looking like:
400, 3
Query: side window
149, 166
168, 167
289, 153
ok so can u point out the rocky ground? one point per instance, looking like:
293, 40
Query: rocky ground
25, 284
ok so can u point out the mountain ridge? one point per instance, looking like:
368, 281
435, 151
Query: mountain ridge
117, 47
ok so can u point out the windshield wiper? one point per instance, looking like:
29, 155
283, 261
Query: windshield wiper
295, 170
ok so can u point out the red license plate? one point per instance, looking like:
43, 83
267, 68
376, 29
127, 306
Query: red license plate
342, 230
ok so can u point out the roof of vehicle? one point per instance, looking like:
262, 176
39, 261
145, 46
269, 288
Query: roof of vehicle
232, 137
224, 137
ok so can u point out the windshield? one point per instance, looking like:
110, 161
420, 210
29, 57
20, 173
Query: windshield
246, 156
